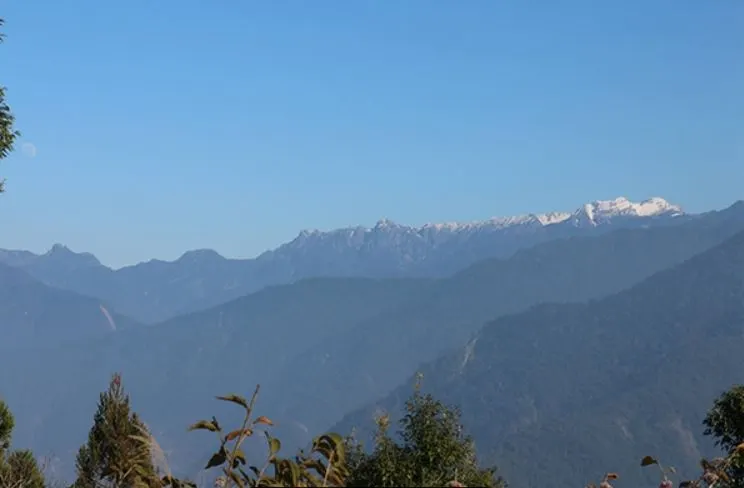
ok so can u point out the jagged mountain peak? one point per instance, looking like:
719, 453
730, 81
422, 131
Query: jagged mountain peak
61, 253
58, 248
385, 223
602, 211
594, 213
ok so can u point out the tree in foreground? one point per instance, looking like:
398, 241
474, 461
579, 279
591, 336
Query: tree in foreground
324, 465
8, 134
434, 451
725, 423
18, 469
115, 454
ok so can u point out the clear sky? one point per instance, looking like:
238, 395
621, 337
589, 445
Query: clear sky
163, 126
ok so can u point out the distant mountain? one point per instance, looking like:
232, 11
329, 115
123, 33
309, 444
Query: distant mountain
34, 314
560, 394
420, 330
323, 347
158, 290
390, 249
175, 369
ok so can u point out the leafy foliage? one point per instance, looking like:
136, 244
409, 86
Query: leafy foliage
18, 469
8, 134
325, 465
114, 452
433, 452
725, 423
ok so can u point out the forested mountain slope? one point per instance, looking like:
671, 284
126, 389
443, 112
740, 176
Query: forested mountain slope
566, 392
371, 359
324, 347
33, 314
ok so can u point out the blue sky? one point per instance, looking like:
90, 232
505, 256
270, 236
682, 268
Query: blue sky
172, 125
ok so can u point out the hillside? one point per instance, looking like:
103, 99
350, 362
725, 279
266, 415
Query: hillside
176, 368
33, 314
362, 337
158, 290
568, 270
563, 392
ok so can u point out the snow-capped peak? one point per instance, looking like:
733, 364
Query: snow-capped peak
595, 213
385, 223
552, 218
601, 211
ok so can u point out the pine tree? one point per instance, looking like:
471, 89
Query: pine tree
115, 454
18, 469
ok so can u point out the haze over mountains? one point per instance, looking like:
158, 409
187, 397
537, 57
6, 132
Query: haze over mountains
157, 290
554, 392
36, 314
336, 343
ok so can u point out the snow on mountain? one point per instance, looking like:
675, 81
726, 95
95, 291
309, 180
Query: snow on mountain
598, 212
438, 249
157, 290
604, 211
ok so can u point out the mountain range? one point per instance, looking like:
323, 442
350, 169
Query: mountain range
323, 347
157, 290
561, 392
36, 314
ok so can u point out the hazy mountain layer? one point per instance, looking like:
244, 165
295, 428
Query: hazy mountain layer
562, 393
158, 290
34, 314
326, 346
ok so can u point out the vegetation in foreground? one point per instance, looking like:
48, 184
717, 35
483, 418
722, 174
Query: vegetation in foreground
432, 451
121, 453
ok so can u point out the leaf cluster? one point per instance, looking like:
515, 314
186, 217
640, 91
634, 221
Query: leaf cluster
324, 465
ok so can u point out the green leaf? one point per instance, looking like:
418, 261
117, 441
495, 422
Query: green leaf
234, 399
332, 439
287, 472
648, 461
274, 444
205, 425
217, 459
239, 457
